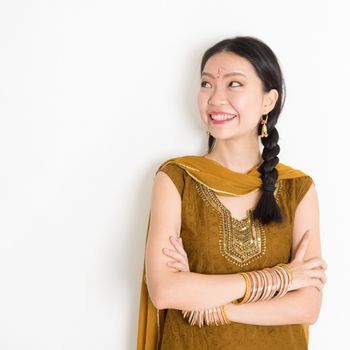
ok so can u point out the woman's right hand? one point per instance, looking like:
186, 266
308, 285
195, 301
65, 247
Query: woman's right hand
307, 273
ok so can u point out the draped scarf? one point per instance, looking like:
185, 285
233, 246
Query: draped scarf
223, 181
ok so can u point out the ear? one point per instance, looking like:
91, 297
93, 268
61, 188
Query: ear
270, 100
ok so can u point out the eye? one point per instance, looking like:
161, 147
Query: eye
203, 82
234, 82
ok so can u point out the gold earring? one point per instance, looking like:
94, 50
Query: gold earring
208, 132
264, 128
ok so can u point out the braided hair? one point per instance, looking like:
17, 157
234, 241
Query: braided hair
268, 70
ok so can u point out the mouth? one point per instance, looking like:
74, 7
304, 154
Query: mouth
221, 118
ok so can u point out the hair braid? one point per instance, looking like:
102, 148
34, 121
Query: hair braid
267, 208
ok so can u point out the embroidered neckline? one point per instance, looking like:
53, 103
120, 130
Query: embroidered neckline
241, 241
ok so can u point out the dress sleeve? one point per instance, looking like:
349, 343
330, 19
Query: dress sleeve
302, 185
176, 174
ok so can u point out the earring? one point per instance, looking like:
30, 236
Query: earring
208, 132
264, 128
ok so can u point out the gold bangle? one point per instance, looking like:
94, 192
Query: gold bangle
287, 267
247, 291
224, 314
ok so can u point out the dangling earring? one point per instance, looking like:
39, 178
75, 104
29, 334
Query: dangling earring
264, 128
208, 132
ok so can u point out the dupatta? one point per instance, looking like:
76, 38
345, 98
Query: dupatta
223, 181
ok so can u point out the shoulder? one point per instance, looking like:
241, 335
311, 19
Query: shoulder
170, 167
176, 173
297, 185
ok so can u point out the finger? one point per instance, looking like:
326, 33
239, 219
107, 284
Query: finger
182, 246
300, 253
317, 274
315, 263
176, 241
178, 246
178, 258
174, 254
316, 283
176, 265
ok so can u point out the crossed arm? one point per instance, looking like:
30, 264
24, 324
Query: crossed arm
194, 291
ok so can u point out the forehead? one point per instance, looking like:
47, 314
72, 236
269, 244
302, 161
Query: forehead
226, 62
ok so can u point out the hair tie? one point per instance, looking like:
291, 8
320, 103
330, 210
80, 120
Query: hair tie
268, 187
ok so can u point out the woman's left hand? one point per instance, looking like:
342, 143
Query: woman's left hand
179, 256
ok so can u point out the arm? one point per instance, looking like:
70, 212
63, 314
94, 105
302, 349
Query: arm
293, 308
173, 289
299, 306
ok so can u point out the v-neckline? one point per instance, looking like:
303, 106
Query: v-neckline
228, 211
221, 205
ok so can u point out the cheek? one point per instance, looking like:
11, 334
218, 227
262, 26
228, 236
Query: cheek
245, 104
202, 101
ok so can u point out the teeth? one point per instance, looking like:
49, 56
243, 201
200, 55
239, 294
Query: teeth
221, 116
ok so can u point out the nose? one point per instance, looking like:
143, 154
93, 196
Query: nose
218, 97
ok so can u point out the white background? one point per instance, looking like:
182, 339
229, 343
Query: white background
94, 95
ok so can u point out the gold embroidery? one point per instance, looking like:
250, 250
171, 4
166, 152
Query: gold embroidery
240, 241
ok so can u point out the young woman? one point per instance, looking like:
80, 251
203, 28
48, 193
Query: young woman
233, 254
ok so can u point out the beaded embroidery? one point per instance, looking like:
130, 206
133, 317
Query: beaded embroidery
240, 241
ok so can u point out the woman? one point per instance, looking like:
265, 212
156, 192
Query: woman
233, 254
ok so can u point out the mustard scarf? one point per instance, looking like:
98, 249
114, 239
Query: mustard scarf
223, 181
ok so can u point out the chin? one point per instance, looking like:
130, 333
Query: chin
223, 136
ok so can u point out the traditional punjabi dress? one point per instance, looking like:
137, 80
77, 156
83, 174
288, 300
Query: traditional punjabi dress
218, 243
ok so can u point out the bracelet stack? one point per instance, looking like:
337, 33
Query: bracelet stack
266, 284
261, 285
213, 316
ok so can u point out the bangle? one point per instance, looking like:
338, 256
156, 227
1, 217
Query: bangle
266, 284
212, 316
247, 291
224, 314
287, 267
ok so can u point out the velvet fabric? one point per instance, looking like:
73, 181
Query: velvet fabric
166, 329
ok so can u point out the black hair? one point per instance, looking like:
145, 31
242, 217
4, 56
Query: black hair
268, 70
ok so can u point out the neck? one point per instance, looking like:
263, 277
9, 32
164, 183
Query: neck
239, 155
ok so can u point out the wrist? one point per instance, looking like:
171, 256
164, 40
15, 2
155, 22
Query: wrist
240, 286
231, 311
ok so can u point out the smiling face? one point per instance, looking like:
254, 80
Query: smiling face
229, 84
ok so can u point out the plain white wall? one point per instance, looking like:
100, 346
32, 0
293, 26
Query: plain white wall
94, 95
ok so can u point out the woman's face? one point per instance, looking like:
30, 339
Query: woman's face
229, 84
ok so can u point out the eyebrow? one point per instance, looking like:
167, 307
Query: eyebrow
226, 75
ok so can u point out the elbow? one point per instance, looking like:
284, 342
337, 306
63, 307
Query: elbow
165, 298
161, 291
158, 302
313, 316
312, 321
313, 299
156, 295
155, 300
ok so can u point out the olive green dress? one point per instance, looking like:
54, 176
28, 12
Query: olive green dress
207, 229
